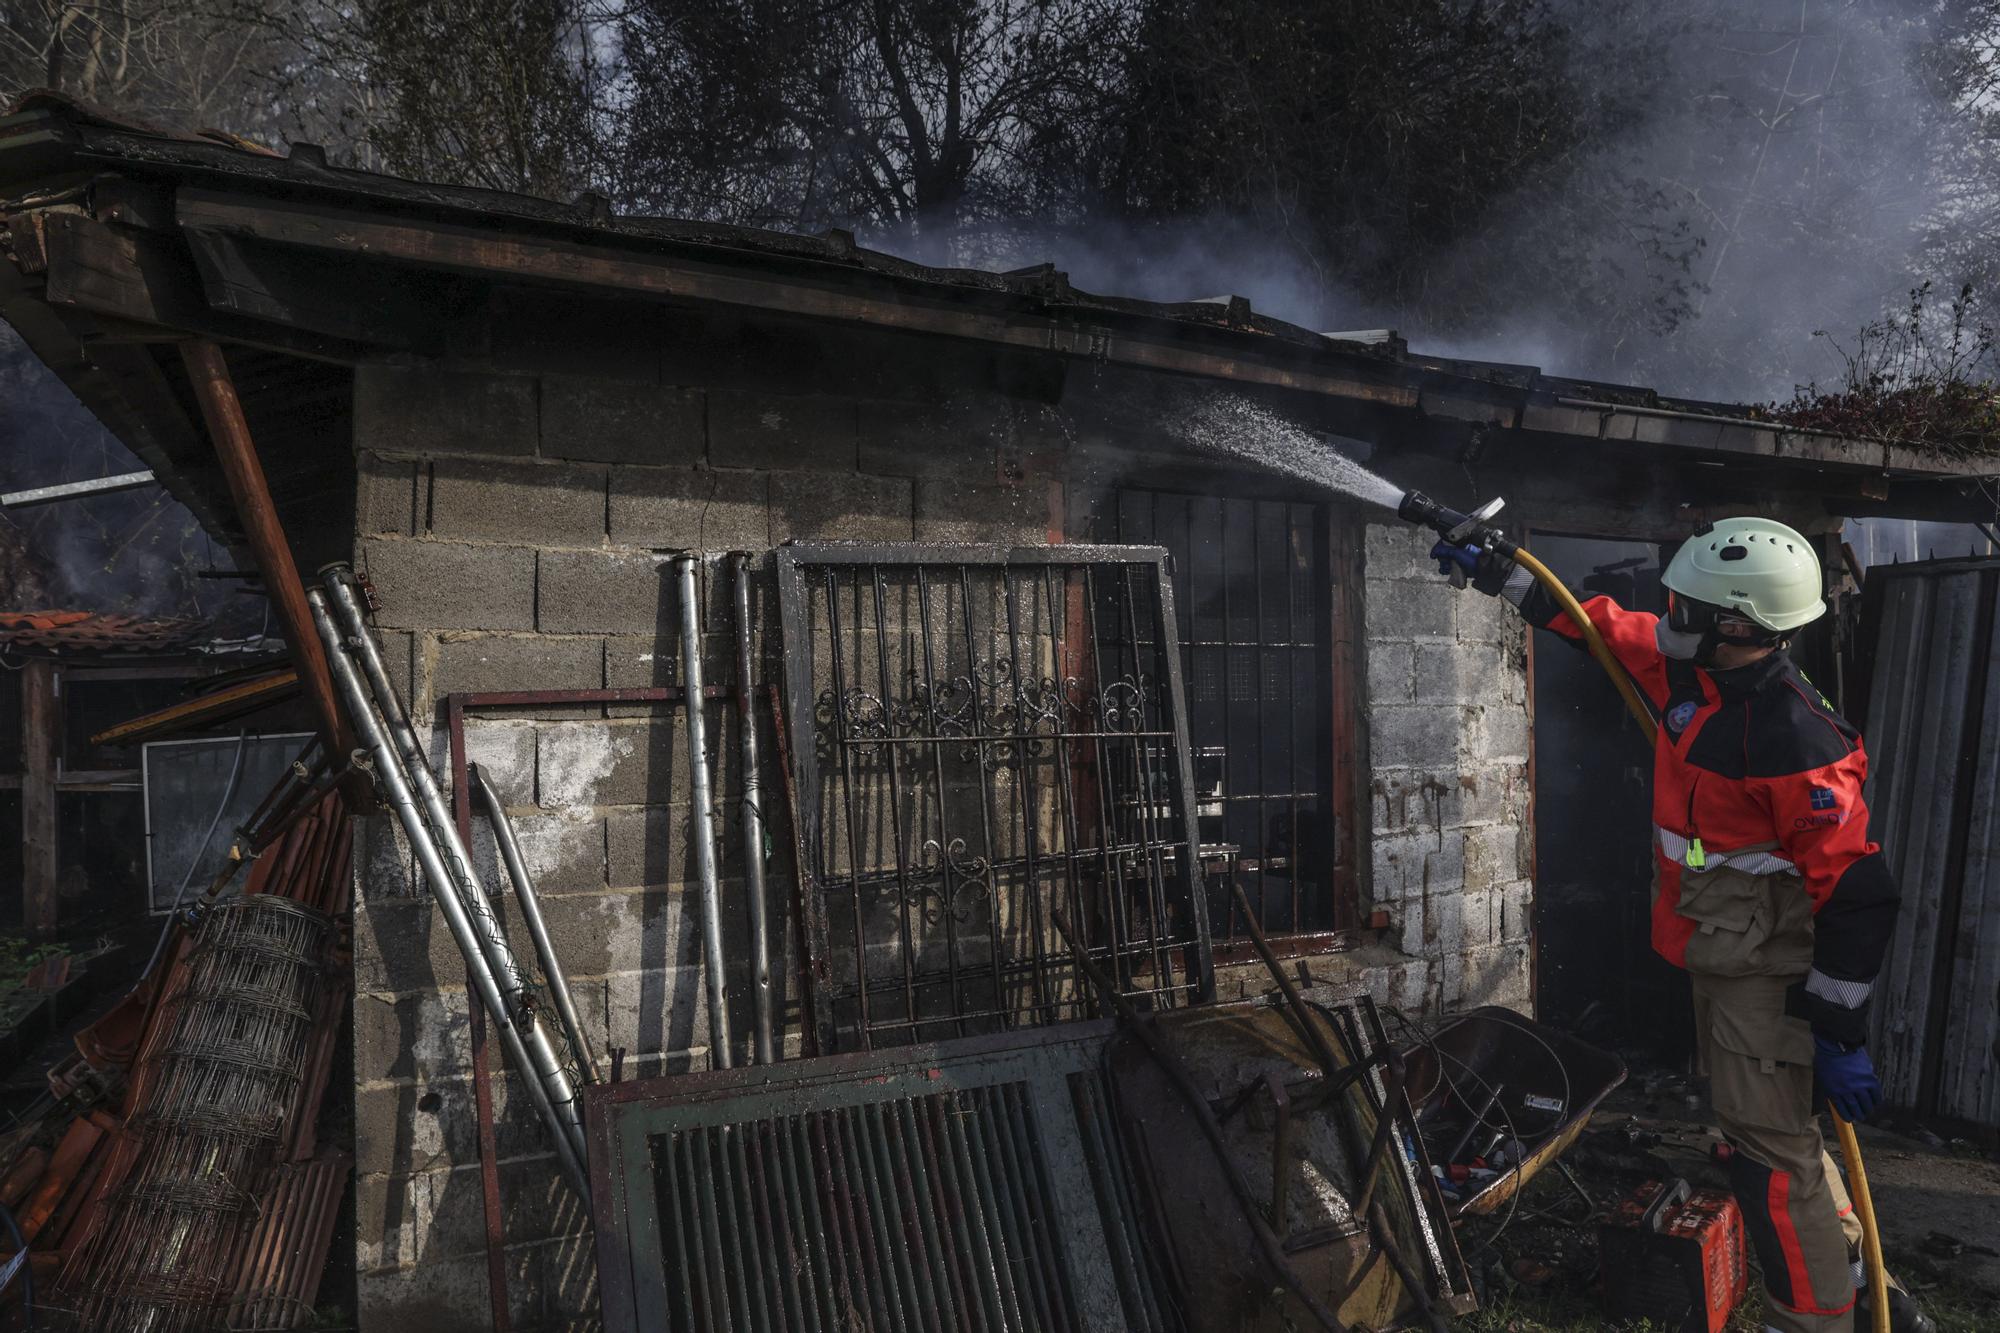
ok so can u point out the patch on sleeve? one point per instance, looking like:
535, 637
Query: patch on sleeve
1681, 715
1825, 798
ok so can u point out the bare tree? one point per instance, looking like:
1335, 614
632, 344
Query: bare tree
841, 112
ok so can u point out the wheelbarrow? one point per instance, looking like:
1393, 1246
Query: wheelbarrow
1499, 1097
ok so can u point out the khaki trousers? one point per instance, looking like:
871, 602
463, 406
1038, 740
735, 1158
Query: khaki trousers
1795, 1206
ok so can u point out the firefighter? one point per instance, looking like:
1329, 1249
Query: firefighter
1767, 889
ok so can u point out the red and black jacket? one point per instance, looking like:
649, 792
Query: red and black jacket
1755, 762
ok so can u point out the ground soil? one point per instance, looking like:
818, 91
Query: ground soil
1937, 1201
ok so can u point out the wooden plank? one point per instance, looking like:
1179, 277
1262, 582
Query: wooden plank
485, 252
41, 740
220, 705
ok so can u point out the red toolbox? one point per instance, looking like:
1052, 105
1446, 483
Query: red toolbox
1676, 1256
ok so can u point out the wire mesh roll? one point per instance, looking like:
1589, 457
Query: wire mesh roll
234, 1035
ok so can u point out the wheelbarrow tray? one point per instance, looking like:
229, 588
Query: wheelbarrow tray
1536, 1069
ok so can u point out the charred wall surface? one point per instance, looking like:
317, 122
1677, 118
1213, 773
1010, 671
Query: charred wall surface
514, 526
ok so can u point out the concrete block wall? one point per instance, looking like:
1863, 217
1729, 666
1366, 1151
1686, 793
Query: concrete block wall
1451, 848
514, 528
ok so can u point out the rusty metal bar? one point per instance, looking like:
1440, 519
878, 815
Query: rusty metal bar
222, 410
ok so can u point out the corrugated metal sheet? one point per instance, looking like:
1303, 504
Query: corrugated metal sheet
966, 1185
1933, 733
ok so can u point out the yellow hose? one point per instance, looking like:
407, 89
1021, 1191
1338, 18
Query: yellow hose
1850, 1147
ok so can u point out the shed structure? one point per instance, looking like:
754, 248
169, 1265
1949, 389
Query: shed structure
509, 413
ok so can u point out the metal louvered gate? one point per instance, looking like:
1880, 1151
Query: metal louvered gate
983, 737
978, 1185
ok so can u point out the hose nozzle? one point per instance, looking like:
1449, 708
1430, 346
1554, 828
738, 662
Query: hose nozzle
1476, 527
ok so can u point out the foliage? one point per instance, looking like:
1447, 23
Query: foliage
1922, 377
810, 113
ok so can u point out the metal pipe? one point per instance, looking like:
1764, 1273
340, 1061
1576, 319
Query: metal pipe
531, 913
764, 1048
419, 828
719, 1045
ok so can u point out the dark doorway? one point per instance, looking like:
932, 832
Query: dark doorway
1596, 972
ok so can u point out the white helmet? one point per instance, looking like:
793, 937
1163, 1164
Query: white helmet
1755, 568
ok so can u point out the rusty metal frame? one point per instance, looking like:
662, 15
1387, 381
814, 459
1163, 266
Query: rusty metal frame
456, 706
992, 714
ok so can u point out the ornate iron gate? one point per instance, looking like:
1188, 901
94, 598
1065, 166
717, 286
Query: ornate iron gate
982, 735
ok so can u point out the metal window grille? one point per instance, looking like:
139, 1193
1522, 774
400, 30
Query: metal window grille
984, 737
1255, 631
975, 1185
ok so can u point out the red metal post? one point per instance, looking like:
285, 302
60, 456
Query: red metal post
482, 1071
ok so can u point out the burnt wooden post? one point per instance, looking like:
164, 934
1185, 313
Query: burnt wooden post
208, 373
41, 740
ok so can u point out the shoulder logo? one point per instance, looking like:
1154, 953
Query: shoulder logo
1681, 715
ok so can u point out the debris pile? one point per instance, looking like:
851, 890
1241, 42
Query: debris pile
172, 1178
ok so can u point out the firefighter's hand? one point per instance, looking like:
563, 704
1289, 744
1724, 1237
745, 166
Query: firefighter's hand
1472, 564
1847, 1076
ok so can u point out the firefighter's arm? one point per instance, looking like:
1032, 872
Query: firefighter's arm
1632, 636
1822, 824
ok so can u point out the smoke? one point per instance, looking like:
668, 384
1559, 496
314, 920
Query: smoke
1758, 171
128, 551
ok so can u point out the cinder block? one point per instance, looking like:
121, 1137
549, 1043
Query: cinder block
651, 846
449, 1296
538, 504
421, 1035
1444, 923
853, 508
1418, 736
1496, 974
497, 662
961, 511
1483, 619
392, 495
1492, 855
621, 421
442, 585
429, 1216
660, 1009
1411, 866
424, 410
1412, 988
638, 761
1498, 733
1460, 673
1479, 915
606, 592
747, 430
504, 752
1406, 609
960, 438
383, 865
1398, 551
700, 510
1391, 672
1517, 912
564, 850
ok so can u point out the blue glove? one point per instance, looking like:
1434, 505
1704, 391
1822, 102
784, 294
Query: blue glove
1464, 559
1847, 1076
